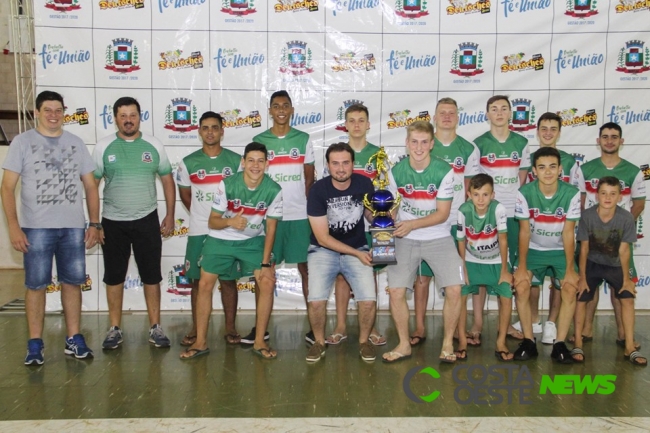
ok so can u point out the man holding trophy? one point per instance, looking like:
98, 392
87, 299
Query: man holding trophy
422, 232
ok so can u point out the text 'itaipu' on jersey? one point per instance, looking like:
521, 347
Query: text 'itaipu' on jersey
547, 215
569, 168
203, 174
503, 161
463, 157
420, 193
233, 196
628, 174
129, 169
481, 233
287, 157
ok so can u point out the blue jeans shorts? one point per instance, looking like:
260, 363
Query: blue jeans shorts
67, 245
324, 265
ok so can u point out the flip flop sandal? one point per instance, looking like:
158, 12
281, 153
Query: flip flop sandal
514, 335
575, 352
474, 336
448, 358
188, 340
335, 339
399, 358
195, 353
377, 340
499, 355
461, 355
232, 338
264, 353
635, 358
419, 341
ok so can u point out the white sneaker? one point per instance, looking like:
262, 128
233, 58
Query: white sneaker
537, 327
550, 333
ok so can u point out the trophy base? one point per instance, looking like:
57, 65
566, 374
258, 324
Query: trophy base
383, 246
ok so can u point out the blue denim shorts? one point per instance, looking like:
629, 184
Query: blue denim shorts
67, 245
324, 265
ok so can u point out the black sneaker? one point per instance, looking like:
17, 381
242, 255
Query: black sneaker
527, 349
250, 338
561, 354
309, 337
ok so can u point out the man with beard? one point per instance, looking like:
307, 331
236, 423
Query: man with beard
129, 162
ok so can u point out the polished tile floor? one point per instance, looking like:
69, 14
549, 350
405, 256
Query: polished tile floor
139, 381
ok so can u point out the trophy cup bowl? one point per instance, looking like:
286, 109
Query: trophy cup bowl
382, 201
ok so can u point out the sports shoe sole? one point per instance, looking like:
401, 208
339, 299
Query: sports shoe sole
104, 346
71, 352
152, 341
35, 362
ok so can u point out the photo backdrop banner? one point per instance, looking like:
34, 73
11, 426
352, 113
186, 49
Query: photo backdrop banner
588, 60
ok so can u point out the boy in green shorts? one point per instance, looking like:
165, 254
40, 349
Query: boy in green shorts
547, 210
237, 233
483, 245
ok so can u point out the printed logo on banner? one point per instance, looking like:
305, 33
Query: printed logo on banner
79, 117
63, 5
175, 60
231, 57
411, 8
631, 6
356, 5
296, 5
572, 59
516, 62
177, 282
55, 285
466, 7
405, 61
181, 115
121, 4
176, 4
296, 58
624, 114
310, 118
522, 6
232, 119
523, 115
581, 8
122, 56
58, 54
106, 115
350, 62
238, 7
340, 113
401, 119
467, 118
570, 117
633, 58
467, 60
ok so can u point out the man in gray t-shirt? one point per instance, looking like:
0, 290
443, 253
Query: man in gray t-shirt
606, 232
54, 169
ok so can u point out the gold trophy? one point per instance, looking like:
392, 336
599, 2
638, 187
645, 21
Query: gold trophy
381, 203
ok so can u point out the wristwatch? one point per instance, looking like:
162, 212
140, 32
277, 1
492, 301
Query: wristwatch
98, 226
265, 265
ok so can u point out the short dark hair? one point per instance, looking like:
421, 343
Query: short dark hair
339, 147
496, 98
611, 125
480, 180
48, 95
354, 108
280, 94
609, 180
211, 115
546, 151
125, 101
550, 116
254, 146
